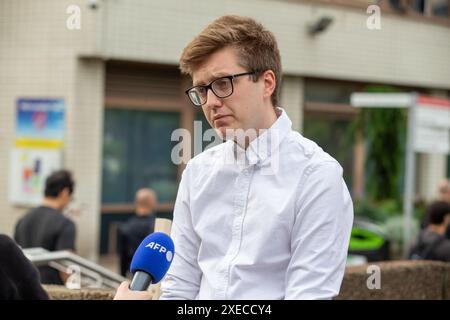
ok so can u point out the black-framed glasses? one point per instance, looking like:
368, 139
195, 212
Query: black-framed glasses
221, 87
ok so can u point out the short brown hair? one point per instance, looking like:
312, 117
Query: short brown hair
256, 47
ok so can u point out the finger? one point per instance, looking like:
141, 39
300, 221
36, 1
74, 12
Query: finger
124, 286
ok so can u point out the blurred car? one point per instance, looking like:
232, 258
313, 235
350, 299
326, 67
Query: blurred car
367, 242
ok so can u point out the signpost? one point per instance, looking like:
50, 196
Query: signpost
428, 131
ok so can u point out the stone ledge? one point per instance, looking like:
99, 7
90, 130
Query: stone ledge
62, 293
399, 280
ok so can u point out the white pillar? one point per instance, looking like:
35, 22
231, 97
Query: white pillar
292, 100
83, 154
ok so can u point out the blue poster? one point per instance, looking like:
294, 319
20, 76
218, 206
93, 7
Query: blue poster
40, 123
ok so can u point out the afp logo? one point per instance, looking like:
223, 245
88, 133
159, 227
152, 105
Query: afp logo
161, 249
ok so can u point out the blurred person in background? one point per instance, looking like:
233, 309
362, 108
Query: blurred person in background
432, 243
443, 195
19, 278
444, 190
132, 232
47, 227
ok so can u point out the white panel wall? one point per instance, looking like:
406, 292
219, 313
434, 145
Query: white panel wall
402, 52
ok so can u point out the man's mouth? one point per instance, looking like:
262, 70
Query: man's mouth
219, 116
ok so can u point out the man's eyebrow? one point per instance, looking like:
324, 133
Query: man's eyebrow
199, 83
211, 78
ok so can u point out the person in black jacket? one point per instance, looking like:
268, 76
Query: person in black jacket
19, 279
132, 232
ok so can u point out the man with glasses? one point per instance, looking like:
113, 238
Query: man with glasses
251, 229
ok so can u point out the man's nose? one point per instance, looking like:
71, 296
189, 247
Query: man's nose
212, 100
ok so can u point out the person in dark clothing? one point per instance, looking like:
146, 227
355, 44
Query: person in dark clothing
19, 279
132, 232
432, 243
444, 196
47, 227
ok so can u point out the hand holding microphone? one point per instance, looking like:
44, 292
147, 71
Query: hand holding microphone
150, 263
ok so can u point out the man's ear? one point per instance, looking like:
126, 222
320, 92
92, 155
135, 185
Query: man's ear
270, 83
64, 192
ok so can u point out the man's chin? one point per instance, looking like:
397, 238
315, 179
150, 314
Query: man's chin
222, 132
227, 133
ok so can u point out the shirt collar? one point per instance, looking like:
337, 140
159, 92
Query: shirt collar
268, 142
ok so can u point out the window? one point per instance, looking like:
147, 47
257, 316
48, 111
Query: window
438, 8
328, 122
448, 166
137, 153
332, 134
326, 91
429, 8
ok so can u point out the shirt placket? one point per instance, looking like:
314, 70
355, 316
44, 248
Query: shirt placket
242, 185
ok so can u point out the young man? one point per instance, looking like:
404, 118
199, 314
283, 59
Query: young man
47, 227
275, 226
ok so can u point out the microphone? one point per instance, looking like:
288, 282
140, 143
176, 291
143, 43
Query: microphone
151, 260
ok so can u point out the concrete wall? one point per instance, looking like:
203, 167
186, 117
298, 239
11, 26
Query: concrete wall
403, 52
399, 280
39, 57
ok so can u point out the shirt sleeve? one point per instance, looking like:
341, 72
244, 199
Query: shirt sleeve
66, 238
320, 235
183, 278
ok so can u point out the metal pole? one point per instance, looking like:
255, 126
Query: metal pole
408, 197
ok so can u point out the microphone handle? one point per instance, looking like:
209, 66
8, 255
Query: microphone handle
141, 281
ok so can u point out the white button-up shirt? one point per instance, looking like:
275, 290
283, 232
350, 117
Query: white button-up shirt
275, 227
